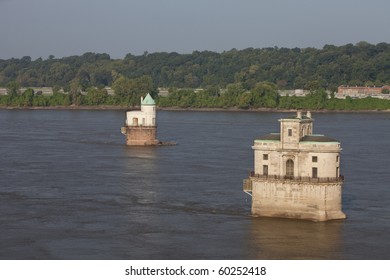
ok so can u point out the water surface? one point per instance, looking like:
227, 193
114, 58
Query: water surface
71, 189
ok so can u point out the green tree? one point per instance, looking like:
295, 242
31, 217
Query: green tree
96, 96
265, 95
128, 91
230, 97
26, 98
57, 99
75, 92
245, 100
13, 89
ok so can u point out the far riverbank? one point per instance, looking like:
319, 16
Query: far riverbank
232, 109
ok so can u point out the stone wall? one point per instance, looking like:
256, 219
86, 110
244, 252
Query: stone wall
141, 136
297, 199
328, 161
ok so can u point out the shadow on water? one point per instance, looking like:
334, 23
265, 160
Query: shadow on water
272, 238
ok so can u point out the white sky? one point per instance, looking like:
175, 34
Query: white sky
39, 28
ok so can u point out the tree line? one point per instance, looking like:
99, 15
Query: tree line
331, 66
246, 78
128, 93
265, 95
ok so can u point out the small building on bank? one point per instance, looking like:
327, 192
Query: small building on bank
296, 173
140, 126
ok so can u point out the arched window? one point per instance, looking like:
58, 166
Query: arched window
290, 168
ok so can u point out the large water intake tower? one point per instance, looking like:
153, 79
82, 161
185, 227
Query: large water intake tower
296, 173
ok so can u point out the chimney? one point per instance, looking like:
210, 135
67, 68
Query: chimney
308, 114
299, 114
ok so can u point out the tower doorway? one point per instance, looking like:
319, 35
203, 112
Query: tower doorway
290, 168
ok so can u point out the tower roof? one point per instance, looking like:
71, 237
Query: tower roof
298, 117
306, 138
318, 138
148, 100
271, 137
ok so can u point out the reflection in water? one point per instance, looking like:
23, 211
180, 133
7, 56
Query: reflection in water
147, 152
140, 173
294, 239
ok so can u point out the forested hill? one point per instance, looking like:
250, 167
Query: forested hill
329, 67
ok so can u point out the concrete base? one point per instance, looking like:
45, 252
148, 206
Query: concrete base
310, 216
140, 135
297, 200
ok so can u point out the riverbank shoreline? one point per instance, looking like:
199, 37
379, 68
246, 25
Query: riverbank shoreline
233, 109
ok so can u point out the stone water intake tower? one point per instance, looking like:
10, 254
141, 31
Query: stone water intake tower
140, 126
296, 173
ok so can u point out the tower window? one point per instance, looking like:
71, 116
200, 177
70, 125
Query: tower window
290, 168
265, 170
314, 159
265, 157
289, 132
314, 172
337, 159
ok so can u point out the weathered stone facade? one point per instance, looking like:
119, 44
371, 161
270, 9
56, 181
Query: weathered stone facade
140, 126
141, 136
296, 174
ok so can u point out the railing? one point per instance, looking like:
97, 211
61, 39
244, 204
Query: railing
140, 125
252, 174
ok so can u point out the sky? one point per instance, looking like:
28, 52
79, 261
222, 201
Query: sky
39, 28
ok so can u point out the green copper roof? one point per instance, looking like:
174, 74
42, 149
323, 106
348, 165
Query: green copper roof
148, 100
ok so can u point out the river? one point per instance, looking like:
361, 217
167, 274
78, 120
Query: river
71, 189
